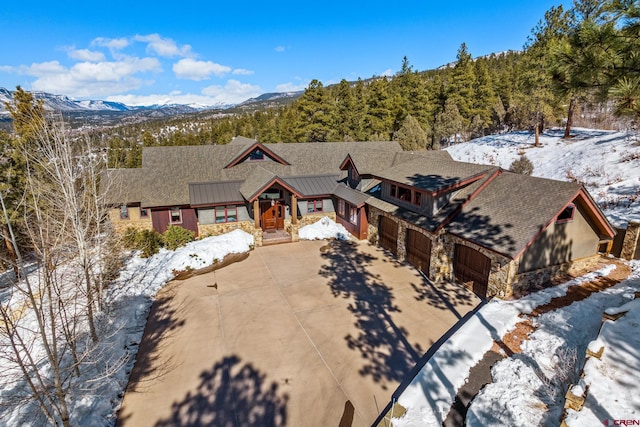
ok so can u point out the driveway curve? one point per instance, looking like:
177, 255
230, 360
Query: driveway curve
308, 333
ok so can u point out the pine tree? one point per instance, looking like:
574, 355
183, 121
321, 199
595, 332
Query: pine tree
411, 136
462, 85
449, 123
379, 118
315, 113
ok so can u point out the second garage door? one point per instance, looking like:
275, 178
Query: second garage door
389, 235
418, 250
472, 268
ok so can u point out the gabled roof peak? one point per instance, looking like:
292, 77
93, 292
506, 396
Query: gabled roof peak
253, 148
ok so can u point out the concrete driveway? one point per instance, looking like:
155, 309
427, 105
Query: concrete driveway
301, 334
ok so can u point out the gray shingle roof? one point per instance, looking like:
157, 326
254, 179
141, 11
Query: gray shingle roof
166, 172
432, 174
511, 210
123, 186
352, 196
256, 181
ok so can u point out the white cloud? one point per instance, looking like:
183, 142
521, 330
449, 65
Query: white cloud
291, 87
113, 44
85, 55
192, 69
89, 79
163, 46
232, 93
242, 72
279, 48
387, 73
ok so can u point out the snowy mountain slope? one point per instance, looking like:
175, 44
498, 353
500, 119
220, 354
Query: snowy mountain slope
63, 103
606, 162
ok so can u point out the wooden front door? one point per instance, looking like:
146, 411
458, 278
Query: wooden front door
472, 269
272, 216
389, 235
418, 251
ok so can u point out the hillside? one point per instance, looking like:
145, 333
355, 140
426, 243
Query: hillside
606, 162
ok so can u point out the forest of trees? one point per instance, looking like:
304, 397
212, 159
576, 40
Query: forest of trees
573, 58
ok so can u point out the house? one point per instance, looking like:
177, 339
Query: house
498, 232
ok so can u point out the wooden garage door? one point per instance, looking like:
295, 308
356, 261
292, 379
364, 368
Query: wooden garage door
418, 250
389, 235
472, 268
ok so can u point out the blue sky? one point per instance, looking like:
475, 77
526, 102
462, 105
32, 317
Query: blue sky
143, 53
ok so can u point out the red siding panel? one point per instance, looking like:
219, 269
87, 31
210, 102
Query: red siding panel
160, 219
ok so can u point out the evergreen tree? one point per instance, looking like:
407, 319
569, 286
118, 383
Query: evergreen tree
379, 119
462, 85
449, 124
315, 112
411, 136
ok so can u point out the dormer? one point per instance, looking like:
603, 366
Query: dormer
256, 152
353, 176
425, 186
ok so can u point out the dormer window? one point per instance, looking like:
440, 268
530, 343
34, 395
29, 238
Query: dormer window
256, 155
567, 214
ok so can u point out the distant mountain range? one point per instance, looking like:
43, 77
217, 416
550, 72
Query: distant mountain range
65, 104
97, 113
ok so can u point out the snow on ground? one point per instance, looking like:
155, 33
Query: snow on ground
430, 395
121, 325
325, 228
607, 162
616, 374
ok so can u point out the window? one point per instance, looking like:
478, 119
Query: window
271, 194
404, 194
314, 206
341, 208
226, 214
256, 155
353, 217
175, 216
124, 212
144, 213
567, 214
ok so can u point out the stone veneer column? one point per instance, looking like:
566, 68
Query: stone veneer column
630, 240
401, 242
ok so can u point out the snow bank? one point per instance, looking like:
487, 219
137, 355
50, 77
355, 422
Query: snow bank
430, 395
325, 228
612, 381
129, 300
529, 388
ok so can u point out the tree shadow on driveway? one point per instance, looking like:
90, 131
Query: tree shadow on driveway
231, 394
383, 345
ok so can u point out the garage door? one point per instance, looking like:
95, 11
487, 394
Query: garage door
389, 235
472, 268
418, 250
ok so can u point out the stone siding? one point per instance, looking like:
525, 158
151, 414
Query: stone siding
630, 243
537, 279
207, 230
120, 225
